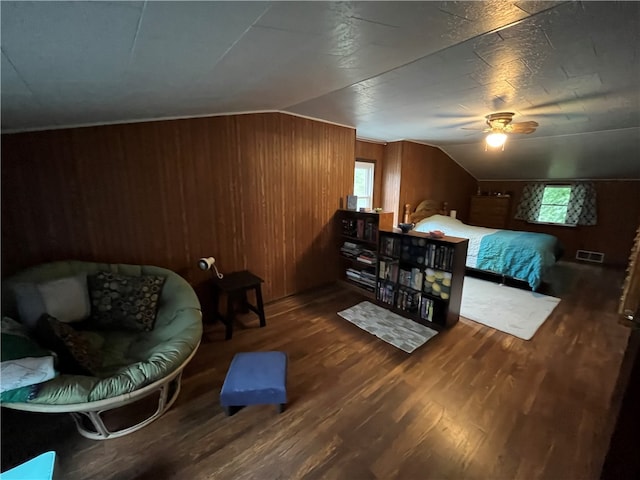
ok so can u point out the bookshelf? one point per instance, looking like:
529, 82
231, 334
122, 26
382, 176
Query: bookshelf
420, 277
358, 246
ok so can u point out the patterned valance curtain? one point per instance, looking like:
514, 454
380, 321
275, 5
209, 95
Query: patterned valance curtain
581, 209
530, 202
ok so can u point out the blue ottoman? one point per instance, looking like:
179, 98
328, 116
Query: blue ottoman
255, 378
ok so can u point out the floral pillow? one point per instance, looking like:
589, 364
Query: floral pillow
124, 302
76, 354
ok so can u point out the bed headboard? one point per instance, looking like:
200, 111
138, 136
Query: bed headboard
427, 208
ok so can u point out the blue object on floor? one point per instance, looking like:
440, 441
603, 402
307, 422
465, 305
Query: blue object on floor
255, 378
38, 468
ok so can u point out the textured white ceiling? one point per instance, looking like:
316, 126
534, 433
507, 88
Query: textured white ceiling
424, 71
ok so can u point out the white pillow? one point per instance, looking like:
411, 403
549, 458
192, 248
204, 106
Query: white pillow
66, 299
438, 222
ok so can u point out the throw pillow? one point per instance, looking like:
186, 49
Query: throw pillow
124, 301
25, 365
67, 299
29, 302
76, 355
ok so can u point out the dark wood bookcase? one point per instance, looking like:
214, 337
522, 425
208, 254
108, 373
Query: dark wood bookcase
359, 230
420, 277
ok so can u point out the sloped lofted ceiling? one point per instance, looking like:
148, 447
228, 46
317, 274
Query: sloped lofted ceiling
422, 71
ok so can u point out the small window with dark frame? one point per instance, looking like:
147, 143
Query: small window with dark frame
554, 204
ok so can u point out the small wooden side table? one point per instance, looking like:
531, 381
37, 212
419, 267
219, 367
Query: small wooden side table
235, 285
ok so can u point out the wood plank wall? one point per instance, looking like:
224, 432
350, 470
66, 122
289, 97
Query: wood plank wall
392, 180
618, 219
424, 172
255, 191
373, 152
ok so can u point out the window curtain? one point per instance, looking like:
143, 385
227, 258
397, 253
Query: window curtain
530, 202
581, 209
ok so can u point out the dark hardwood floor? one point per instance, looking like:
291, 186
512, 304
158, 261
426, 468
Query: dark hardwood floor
471, 403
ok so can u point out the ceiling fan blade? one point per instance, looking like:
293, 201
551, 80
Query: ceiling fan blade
522, 127
561, 115
575, 100
456, 116
463, 124
526, 124
476, 129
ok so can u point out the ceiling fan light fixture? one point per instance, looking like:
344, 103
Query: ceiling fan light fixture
496, 140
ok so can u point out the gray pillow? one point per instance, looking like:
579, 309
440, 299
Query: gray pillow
66, 299
29, 302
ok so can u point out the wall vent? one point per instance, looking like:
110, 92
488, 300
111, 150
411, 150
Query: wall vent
588, 256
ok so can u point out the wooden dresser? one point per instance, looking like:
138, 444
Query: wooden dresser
490, 211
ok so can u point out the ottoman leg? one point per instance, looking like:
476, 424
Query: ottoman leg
281, 407
231, 410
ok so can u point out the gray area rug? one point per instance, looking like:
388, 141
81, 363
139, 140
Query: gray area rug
400, 332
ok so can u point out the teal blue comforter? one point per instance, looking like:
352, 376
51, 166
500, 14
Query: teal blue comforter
522, 255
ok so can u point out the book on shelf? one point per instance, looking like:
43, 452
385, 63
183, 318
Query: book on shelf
367, 256
351, 250
360, 228
390, 246
404, 277
418, 251
386, 293
361, 276
416, 279
371, 230
439, 256
349, 227
374, 232
410, 278
408, 300
388, 270
367, 260
368, 225
426, 309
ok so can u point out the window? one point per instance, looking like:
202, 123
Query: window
363, 184
555, 201
573, 204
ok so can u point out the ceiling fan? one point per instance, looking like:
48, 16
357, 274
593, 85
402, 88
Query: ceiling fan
500, 124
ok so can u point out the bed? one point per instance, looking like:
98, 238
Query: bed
523, 256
